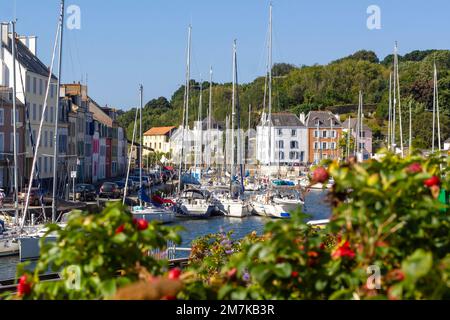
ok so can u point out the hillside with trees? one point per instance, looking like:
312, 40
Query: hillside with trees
333, 87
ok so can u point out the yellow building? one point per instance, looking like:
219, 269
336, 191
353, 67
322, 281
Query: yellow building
158, 138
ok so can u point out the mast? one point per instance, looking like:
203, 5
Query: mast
233, 105
389, 138
185, 107
399, 103
394, 98
141, 142
188, 82
200, 123
410, 129
55, 135
16, 184
270, 83
348, 137
129, 157
361, 128
209, 117
436, 111
239, 133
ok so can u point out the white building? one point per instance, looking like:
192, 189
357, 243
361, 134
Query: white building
31, 83
447, 144
288, 140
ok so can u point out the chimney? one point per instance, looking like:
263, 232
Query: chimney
32, 44
23, 39
4, 32
302, 117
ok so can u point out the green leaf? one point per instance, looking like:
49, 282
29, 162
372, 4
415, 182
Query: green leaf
108, 287
417, 265
283, 270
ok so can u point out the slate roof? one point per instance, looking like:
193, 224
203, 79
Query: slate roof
325, 119
285, 119
26, 58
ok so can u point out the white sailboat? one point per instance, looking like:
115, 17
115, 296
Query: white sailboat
230, 204
146, 210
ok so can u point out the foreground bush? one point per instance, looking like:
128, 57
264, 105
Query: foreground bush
387, 221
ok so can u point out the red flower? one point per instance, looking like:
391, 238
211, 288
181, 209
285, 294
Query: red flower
343, 251
395, 275
174, 274
24, 287
232, 273
433, 181
381, 244
294, 274
414, 168
120, 229
169, 298
313, 254
142, 224
322, 246
320, 175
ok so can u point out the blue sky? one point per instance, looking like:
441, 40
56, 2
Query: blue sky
124, 43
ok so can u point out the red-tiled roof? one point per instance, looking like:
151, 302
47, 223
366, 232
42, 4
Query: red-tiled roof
158, 131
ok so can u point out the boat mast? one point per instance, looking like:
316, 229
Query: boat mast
399, 103
270, 84
348, 137
16, 184
141, 140
129, 157
200, 123
389, 138
185, 108
55, 135
410, 129
239, 133
209, 118
233, 105
394, 98
436, 110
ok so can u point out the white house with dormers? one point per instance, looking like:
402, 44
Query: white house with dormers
31, 82
281, 140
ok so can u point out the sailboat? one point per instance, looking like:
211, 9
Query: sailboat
147, 209
232, 203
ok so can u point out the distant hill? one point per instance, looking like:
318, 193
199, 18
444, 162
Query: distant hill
334, 86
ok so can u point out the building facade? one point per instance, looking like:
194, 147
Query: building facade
158, 139
324, 133
281, 140
365, 139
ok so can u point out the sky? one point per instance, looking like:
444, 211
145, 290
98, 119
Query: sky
123, 43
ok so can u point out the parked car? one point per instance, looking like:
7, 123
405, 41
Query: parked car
35, 194
146, 182
132, 185
109, 190
121, 185
85, 192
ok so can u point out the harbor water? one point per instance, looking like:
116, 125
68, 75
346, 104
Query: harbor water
315, 205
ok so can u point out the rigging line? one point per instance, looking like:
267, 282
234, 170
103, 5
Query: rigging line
32, 143
49, 83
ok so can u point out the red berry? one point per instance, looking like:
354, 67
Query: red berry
142, 224
433, 181
320, 175
169, 298
414, 168
120, 229
174, 274
24, 287
294, 274
343, 251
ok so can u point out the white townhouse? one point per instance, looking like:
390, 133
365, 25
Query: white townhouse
31, 83
281, 140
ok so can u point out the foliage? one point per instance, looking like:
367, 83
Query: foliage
405, 234
107, 251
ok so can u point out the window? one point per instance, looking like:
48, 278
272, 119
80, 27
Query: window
34, 85
40, 112
160, 145
281, 144
324, 133
316, 134
45, 139
280, 132
293, 133
51, 139
34, 111
293, 155
281, 155
27, 84
51, 114
51, 89
294, 144
362, 134
46, 114
40, 87
2, 142
51, 165
2, 116
324, 145
45, 164
333, 146
332, 134
11, 143
39, 163
316, 145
